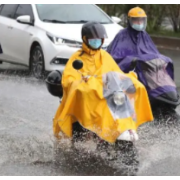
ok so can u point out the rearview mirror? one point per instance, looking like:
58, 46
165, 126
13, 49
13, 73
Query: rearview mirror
24, 19
115, 19
77, 64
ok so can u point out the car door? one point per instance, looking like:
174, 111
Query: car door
22, 34
7, 12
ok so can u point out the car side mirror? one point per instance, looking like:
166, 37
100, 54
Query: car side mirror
116, 19
26, 19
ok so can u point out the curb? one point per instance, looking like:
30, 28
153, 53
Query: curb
163, 42
168, 48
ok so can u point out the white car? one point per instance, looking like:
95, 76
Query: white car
44, 36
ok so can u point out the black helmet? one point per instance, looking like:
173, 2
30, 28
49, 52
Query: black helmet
93, 30
53, 83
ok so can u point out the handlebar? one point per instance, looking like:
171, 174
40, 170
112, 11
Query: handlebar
78, 64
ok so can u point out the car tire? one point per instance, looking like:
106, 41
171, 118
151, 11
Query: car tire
37, 67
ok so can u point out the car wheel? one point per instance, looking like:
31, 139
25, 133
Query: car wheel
37, 62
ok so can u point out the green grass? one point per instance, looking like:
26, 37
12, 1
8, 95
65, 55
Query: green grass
166, 33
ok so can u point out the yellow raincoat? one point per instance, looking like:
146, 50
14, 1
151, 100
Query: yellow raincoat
84, 101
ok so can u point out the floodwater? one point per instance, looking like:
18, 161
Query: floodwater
27, 145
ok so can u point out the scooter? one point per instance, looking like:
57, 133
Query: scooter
120, 106
153, 74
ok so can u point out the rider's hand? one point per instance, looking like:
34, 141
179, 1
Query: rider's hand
85, 78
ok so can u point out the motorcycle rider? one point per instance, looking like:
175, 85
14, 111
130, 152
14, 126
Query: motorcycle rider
89, 108
134, 42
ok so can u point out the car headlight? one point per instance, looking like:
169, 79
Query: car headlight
63, 41
119, 98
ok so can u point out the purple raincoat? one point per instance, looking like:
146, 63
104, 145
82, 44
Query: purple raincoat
154, 70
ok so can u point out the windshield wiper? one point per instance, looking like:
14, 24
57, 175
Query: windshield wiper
81, 21
64, 22
85, 21
54, 21
105, 22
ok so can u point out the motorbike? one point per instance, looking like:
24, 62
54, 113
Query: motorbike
116, 95
157, 76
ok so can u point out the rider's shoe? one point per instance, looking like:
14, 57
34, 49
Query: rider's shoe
129, 135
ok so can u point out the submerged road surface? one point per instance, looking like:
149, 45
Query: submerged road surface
27, 146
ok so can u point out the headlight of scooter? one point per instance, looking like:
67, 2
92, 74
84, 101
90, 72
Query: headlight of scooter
119, 98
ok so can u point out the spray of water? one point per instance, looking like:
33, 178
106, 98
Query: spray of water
27, 146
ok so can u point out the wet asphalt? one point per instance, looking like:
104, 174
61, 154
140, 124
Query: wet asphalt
27, 145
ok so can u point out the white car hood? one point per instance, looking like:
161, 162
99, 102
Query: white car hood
73, 31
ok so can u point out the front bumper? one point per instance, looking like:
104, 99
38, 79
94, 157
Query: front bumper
58, 57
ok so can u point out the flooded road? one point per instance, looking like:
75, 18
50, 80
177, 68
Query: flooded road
27, 146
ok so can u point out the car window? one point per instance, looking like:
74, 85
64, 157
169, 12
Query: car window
8, 10
24, 9
72, 13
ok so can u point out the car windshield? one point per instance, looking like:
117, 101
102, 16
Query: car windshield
71, 13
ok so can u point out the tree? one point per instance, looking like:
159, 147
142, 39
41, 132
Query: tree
174, 15
155, 13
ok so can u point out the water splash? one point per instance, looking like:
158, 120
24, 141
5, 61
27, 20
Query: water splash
27, 146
